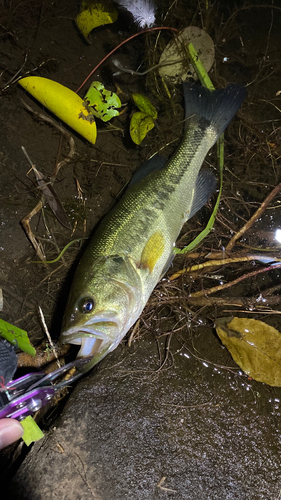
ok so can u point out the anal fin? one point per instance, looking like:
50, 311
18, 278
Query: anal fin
204, 187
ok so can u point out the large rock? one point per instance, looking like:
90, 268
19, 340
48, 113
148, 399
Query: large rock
126, 427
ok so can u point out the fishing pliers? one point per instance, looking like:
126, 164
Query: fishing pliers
26, 395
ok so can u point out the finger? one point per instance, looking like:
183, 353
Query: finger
10, 431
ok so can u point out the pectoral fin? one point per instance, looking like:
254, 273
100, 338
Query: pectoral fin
152, 251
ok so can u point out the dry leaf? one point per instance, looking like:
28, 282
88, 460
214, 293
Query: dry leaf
255, 347
174, 57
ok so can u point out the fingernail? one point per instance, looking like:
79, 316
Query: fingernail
10, 433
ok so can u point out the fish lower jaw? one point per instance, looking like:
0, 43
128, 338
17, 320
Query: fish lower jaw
89, 346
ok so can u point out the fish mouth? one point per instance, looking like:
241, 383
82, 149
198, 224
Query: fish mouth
90, 345
93, 338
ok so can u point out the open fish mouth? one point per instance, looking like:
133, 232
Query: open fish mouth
92, 338
89, 345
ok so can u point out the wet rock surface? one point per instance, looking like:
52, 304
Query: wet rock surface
208, 431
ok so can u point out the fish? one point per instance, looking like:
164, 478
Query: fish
133, 246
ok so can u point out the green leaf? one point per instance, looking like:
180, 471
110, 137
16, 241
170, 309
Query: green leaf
31, 431
255, 347
91, 16
144, 104
141, 123
102, 102
16, 336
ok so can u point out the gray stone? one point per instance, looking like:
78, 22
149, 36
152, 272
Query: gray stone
126, 426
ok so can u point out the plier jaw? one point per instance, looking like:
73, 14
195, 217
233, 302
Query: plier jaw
26, 395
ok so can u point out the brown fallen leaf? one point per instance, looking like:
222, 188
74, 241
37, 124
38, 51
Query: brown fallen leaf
254, 345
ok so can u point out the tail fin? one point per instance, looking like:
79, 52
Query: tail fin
216, 107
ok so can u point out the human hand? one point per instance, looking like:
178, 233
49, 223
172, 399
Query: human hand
10, 430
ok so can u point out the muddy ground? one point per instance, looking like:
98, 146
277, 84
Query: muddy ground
40, 38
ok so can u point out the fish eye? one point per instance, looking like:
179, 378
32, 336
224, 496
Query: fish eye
87, 305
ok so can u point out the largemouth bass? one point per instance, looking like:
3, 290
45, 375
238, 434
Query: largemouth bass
134, 243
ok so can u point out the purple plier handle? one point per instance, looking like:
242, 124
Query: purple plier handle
29, 393
28, 403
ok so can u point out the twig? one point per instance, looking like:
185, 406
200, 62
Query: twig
47, 191
142, 73
17, 76
247, 7
256, 215
14, 78
234, 282
134, 331
257, 303
25, 221
62, 131
167, 352
43, 356
48, 335
15, 296
222, 262
118, 47
159, 485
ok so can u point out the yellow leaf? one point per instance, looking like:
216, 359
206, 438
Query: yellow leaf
140, 125
64, 103
255, 347
92, 15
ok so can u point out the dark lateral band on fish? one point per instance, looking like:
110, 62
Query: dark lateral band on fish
133, 246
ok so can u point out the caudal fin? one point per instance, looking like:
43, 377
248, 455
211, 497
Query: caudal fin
215, 108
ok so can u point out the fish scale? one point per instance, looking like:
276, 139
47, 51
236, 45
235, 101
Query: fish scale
172, 187
133, 245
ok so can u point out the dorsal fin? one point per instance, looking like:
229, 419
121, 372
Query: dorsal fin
155, 163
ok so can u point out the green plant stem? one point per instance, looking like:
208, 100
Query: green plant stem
59, 256
199, 68
206, 82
